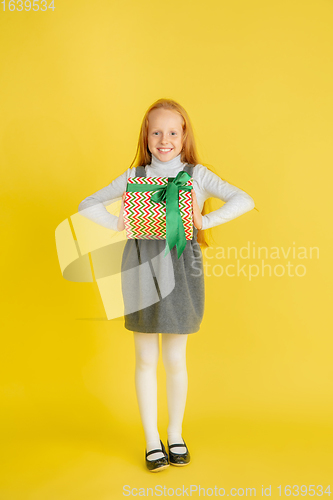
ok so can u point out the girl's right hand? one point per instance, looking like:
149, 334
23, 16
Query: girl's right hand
120, 224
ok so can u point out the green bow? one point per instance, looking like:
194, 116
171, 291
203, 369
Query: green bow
175, 232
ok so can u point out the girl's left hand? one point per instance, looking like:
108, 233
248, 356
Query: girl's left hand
197, 216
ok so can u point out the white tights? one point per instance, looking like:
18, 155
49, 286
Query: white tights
174, 360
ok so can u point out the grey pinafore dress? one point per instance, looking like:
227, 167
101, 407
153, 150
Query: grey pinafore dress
162, 294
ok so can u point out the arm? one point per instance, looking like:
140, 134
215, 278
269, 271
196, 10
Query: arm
93, 207
237, 202
121, 223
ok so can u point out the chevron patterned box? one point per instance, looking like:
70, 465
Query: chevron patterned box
145, 219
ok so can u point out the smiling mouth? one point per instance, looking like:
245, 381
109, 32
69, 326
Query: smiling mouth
165, 150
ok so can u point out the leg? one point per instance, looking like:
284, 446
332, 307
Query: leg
146, 354
174, 360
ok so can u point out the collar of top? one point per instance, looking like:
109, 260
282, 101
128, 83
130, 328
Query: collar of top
170, 165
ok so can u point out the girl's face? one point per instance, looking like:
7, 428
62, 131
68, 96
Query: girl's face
165, 133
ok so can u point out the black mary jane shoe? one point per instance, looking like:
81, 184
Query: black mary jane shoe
158, 464
179, 459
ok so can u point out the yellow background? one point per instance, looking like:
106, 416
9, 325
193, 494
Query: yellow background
256, 80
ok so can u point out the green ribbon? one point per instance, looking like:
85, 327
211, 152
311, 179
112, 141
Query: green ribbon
169, 193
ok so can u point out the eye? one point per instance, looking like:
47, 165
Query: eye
155, 133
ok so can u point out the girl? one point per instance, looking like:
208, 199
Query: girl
165, 294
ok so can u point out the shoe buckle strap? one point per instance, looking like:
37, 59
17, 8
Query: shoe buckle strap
155, 451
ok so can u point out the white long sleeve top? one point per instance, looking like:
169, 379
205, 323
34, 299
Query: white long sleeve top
206, 184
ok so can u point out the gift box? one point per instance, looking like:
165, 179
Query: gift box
160, 208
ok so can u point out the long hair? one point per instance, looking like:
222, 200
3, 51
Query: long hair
189, 154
